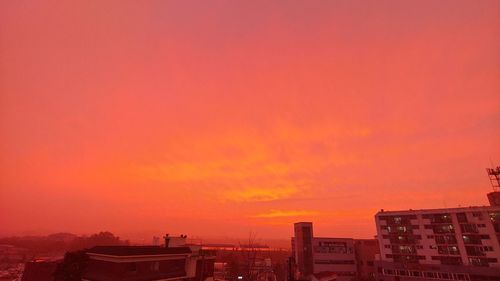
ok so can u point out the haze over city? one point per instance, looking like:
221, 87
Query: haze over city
227, 118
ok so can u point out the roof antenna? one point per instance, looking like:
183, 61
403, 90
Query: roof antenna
494, 175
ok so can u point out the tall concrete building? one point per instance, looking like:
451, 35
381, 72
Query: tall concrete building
439, 244
303, 241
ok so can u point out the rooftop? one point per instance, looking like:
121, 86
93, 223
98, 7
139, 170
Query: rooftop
39, 271
440, 210
137, 250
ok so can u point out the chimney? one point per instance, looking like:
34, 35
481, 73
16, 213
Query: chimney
167, 240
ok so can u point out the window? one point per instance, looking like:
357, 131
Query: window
440, 218
474, 251
430, 274
448, 260
448, 250
388, 271
446, 228
403, 272
495, 217
461, 217
445, 275
131, 267
472, 239
405, 249
488, 248
469, 228
446, 239
155, 266
478, 261
416, 273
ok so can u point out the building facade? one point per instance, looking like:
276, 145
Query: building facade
335, 255
320, 257
303, 249
439, 244
175, 261
366, 251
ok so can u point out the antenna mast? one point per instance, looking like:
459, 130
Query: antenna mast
494, 174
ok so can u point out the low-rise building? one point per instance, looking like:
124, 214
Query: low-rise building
39, 270
322, 256
175, 261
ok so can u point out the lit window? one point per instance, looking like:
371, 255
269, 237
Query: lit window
155, 266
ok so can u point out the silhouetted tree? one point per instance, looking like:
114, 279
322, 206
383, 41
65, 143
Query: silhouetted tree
249, 256
58, 243
100, 239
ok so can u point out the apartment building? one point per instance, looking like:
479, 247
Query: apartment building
439, 244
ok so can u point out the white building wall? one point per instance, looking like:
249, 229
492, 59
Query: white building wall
427, 245
335, 255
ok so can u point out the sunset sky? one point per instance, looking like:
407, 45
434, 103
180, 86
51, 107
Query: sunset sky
220, 118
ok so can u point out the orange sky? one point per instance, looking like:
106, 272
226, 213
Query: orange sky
221, 118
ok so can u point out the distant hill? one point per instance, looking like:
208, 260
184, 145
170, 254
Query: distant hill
62, 242
62, 236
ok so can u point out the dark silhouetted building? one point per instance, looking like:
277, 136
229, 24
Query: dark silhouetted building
303, 250
144, 263
366, 251
39, 270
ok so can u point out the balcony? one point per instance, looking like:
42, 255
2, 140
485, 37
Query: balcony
475, 251
472, 239
469, 228
438, 218
440, 229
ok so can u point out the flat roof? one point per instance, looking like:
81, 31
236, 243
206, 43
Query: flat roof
137, 250
441, 210
332, 238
